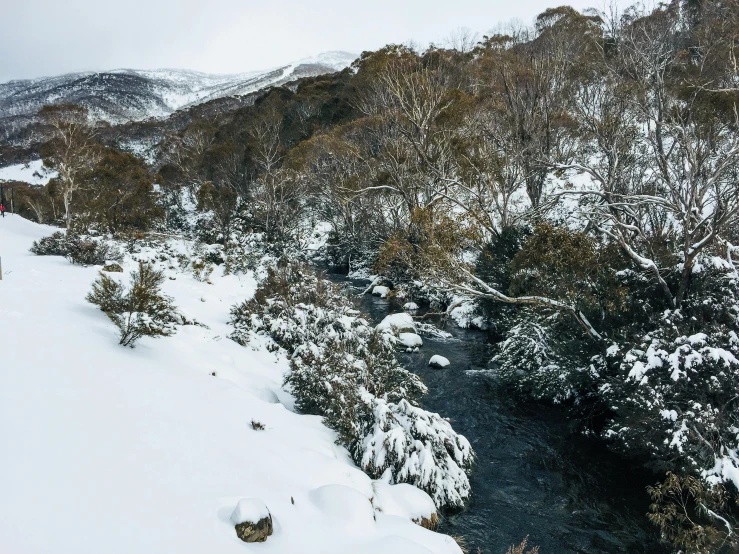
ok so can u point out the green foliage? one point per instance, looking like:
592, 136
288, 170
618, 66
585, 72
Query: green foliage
87, 251
140, 311
53, 245
688, 514
120, 194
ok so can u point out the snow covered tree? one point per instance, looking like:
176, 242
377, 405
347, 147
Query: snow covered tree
73, 150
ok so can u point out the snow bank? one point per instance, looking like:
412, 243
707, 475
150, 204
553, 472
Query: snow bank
151, 435
439, 362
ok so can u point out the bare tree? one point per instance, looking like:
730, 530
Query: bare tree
72, 151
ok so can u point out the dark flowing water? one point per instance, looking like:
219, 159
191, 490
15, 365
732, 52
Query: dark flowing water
533, 475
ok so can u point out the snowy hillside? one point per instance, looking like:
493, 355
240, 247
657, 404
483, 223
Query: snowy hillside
33, 173
130, 95
148, 450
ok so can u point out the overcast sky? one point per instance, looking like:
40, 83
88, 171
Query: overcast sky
51, 37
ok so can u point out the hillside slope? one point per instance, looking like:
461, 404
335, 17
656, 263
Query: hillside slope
123, 95
118, 450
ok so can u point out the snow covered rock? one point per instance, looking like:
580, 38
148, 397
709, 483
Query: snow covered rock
438, 362
397, 323
410, 307
411, 340
252, 520
380, 291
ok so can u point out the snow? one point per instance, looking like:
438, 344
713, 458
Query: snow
380, 291
410, 307
464, 316
397, 323
411, 340
402, 500
439, 361
33, 173
143, 450
249, 510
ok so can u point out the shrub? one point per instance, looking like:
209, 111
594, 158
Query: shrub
201, 270
142, 310
521, 548
86, 251
346, 371
53, 245
688, 514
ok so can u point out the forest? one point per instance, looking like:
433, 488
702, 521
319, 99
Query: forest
575, 181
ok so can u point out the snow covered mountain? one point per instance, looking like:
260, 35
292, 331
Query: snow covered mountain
124, 95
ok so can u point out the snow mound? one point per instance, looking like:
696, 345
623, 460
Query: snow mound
410, 307
249, 510
402, 500
411, 340
397, 323
439, 362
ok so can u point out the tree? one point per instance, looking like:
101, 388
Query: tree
120, 194
72, 151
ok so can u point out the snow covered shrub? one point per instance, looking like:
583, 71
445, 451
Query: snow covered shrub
142, 311
201, 270
87, 251
414, 446
545, 357
345, 370
675, 394
53, 245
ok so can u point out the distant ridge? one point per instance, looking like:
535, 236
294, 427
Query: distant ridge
122, 95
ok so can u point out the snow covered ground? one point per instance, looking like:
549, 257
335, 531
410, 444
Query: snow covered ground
109, 449
33, 173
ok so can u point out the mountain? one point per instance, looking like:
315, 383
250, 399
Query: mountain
123, 95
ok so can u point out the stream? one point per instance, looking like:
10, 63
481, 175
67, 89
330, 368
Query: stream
534, 476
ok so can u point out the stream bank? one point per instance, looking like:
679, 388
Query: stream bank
534, 475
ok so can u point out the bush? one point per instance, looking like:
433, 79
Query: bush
346, 371
142, 311
77, 249
86, 251
53, 245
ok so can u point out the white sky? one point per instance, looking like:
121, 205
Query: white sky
51, 37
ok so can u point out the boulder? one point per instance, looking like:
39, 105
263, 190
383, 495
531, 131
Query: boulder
380, 291
438, 362
252, 520
411, 340
397, 323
